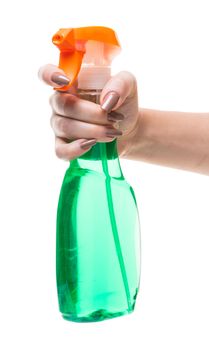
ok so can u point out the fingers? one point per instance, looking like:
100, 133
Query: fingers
70, 106
71, 129
53, 76
117, 90
80, 121
74, 149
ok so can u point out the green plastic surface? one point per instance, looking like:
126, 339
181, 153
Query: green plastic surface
98, 239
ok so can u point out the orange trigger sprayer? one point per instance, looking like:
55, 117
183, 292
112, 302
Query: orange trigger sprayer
74, 43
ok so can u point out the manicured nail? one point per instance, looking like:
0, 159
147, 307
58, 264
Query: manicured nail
87, 144
60, 79
110, 101
113, 133
115, 117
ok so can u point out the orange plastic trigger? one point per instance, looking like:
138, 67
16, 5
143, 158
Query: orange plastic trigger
70, 63
71, 43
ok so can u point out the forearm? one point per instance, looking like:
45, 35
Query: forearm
173, 139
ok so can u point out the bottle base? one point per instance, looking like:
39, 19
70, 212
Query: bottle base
96, 316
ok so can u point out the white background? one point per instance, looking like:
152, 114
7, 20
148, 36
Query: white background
165, 44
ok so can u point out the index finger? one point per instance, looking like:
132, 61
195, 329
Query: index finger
53, 76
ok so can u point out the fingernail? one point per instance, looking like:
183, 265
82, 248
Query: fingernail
115, 117
113, 133
60, 79
110, 101
87, 144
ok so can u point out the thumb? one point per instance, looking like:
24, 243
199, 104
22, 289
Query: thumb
117, 89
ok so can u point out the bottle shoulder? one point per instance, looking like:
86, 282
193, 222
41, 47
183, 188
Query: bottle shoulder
89, 174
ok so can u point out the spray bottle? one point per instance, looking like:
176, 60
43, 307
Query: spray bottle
98, 238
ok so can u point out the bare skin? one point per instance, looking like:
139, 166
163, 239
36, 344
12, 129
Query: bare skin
174, 139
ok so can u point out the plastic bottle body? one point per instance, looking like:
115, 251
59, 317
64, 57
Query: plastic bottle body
98, 242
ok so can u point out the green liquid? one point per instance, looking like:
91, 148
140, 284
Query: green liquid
98, 239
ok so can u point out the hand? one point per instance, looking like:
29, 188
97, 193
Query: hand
79, 124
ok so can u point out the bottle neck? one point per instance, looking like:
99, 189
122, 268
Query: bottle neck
102, 158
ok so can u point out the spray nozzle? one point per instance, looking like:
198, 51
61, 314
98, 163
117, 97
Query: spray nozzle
96, 46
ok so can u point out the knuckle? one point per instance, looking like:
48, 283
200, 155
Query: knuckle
59, 151
60, 124
42, 72
128, 80
52, 121
63, 152
51, 100
57, 102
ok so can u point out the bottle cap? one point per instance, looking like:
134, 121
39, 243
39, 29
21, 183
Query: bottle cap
86, 54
